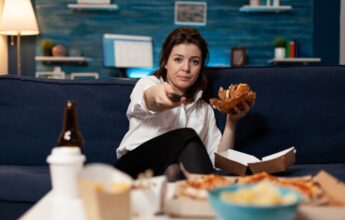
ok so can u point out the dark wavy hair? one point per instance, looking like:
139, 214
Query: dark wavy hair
179, 36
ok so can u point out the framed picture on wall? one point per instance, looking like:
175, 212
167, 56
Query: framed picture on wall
238, 57
190, 13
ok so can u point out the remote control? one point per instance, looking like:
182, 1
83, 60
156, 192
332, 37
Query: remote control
175, 97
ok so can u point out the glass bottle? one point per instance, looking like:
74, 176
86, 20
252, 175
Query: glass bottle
70, 135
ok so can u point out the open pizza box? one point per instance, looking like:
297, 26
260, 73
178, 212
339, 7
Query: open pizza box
185, 207
239, 163
335, 190
105, 192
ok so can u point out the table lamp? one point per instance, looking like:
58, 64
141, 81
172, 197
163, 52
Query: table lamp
18, 18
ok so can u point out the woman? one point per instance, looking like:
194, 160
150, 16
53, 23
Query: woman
169, 123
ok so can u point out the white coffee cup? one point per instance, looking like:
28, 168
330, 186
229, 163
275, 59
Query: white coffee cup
65, 164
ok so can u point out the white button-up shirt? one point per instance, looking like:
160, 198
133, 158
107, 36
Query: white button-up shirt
145, 124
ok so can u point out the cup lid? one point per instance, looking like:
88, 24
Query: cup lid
63, 154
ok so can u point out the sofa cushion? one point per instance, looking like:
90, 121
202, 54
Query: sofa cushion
13, 210
24, 183
32, 115
295, 106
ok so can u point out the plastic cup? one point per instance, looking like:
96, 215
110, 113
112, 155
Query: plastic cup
65, 164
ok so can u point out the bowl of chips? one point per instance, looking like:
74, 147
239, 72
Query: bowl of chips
255, 201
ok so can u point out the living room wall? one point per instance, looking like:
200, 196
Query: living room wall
226, 28
327, 31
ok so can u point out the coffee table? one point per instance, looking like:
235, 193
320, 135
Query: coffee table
56, 209
50, 208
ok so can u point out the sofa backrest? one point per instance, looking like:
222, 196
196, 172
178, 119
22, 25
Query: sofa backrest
31, 117
295, 106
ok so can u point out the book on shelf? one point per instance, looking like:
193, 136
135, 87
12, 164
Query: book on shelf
292, 49
287, 50
296, 48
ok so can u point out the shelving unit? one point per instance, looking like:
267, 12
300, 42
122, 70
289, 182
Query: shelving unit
50, 59
265, 9
298, 60
111, 7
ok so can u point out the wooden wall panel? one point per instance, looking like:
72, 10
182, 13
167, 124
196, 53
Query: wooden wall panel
226, 28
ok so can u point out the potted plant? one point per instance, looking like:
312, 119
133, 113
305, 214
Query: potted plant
47, 46
279, 48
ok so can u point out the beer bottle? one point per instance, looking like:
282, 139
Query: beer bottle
70, 135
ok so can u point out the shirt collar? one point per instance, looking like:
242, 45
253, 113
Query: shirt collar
197, 95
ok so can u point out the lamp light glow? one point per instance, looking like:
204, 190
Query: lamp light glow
18, 18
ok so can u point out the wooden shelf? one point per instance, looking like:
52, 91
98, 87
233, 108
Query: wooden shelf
111, 7
265, 9
50, 59
295, 60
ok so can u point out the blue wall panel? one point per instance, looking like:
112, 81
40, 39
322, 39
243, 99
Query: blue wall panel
226, 28
327, 31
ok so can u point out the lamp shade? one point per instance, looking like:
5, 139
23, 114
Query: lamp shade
18, 17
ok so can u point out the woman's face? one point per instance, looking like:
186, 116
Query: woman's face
183, 66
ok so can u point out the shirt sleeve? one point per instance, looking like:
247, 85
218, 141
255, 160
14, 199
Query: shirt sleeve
137, 106
213, 134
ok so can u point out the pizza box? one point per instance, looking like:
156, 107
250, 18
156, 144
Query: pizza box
239, 163
335, 190
184, 207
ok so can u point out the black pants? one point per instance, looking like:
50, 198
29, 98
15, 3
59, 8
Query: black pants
177, 146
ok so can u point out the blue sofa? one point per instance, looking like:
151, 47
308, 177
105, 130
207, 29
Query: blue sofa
300, 106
